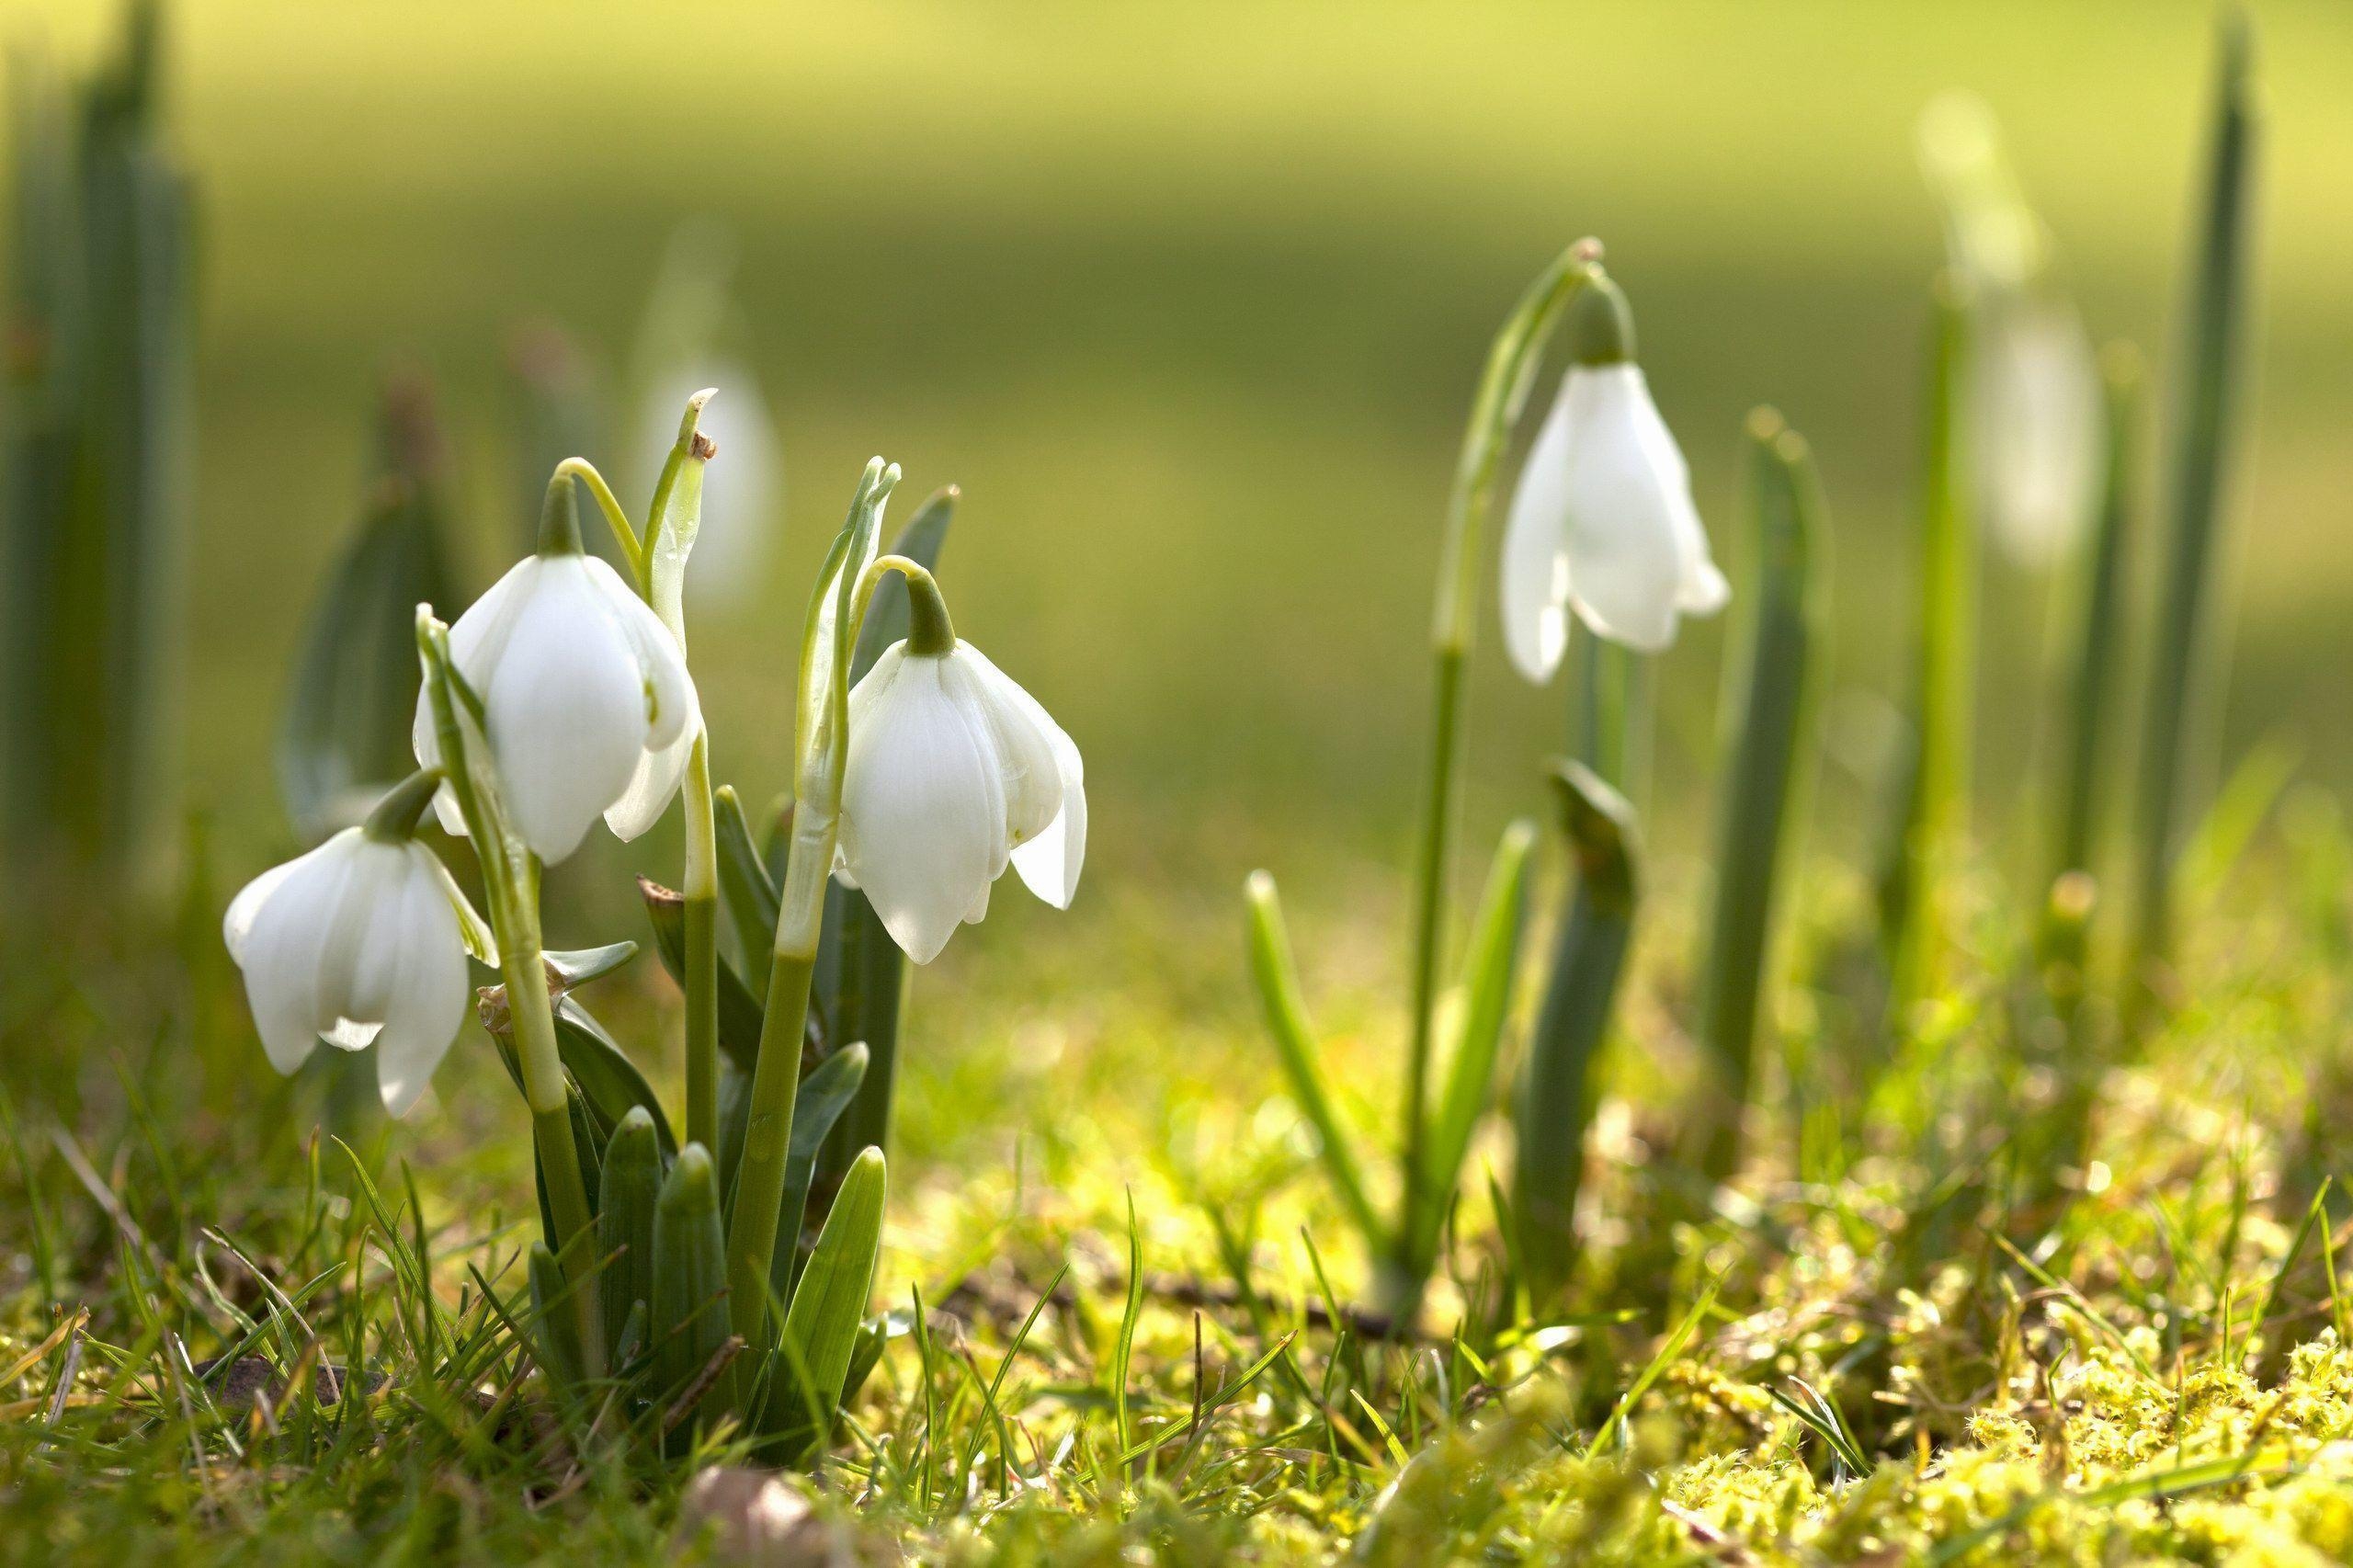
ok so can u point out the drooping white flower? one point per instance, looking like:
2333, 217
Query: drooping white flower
579, 682
2039, 426
952, 771
363, 940
1603, 521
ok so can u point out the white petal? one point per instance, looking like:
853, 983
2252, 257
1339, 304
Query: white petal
1701, 588
923, 808
1625, 551
1535, 575
475, 638
238, 924
673, 715
650, 788
567, 706
670, 705
1024, 747
426, 1004
281, 945
473, 932
1049, 862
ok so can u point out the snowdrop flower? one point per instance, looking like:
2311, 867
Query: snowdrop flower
361, 941
1603, 522
952, 771
2039, 426
579, 682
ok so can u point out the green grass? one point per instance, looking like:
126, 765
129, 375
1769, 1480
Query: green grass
1933, 1342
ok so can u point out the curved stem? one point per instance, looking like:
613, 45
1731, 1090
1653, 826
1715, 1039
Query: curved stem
580, 470
930, 634
1503, 393
393, 819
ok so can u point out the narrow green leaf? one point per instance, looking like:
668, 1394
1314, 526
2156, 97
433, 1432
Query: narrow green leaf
2183, 661
631, 1184
553, 1325
608, 1080
578, 967
1277, 975
2100, 627
1556, 1092
1767, 708
821, 1327
689, 1320
826, 1093
1931, 775
1489, 968
743, 881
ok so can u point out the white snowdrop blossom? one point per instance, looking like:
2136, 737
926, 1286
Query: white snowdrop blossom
2040, 426
580, 684
361, 941
953, 770
1603, 522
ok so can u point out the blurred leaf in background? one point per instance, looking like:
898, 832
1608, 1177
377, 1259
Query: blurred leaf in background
94, 418
345, 737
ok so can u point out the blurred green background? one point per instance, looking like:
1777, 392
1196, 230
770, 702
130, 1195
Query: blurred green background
1189, 299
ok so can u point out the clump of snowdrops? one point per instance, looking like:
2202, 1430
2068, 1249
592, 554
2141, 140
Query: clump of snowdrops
685, 1266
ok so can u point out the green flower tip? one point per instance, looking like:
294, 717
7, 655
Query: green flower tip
394, 818
560, 516
1600, 324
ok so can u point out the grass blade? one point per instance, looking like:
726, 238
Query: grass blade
1490, 968
1278, 979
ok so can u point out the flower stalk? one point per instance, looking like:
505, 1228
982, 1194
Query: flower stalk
822, 735
672, 521
1504, 386
510, 884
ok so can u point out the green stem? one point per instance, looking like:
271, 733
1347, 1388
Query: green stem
767, 1139
510, 887
1503, 384
702, 951
533, 1020
584, 472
